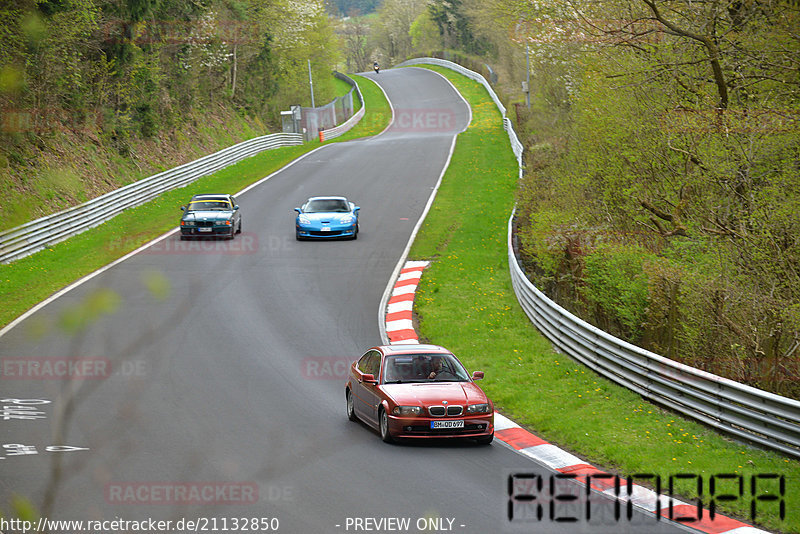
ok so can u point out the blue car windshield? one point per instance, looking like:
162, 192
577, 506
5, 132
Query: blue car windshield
327, 205
209, 205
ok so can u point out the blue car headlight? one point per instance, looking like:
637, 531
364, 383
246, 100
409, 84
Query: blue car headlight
302, 219
349, 219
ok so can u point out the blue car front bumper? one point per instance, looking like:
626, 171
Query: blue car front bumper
325, 232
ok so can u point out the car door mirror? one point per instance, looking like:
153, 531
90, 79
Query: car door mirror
477, 375
298, 210
368, 378
356, 209
235, 208
183, 208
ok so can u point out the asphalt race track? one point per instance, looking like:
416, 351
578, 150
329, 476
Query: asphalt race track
213, 381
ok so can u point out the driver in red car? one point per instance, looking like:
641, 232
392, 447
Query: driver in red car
438, 371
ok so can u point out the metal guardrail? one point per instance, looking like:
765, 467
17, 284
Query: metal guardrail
743, 411
41, 233
333, 133
46, 231
516, 146
751, 414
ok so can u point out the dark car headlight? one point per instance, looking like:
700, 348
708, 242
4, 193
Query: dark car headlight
187, 223
478, 408
407, 410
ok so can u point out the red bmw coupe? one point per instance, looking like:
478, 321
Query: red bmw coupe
418, 391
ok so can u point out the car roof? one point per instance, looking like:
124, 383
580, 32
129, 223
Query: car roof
326, 198
412, 348
212, 196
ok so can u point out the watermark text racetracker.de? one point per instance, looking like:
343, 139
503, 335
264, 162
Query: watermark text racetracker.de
63, 368
118, 524
325, 367
242, 244
172, 493
420, 120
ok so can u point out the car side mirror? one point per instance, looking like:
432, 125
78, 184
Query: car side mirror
235, 208
183, 208
477, 375
298, 210
368, 378
356, 209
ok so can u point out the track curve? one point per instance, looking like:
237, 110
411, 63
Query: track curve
227, 362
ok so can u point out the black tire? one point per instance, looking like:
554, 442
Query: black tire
486, 440
355, 234
239, 231
297, 237
383, 423
351, 412
184, 238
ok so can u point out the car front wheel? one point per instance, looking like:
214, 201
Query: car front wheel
351, 412
485, 440
385, 434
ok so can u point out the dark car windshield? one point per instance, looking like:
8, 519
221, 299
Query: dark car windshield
209, 205
323, 205
401, 368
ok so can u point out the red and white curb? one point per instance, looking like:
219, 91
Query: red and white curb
399, 326
400, 329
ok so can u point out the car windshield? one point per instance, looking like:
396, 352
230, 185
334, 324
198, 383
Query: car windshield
402, 368
324, 205
209, 205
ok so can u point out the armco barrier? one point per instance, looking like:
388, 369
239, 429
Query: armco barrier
516, 146
46, 231
332, 133
748, 413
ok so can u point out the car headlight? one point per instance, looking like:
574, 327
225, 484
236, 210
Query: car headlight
478, 408
227, 223
347, 220
407, 410
303, 220
187, 223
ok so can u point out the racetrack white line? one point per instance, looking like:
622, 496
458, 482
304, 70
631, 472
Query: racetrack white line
387, 293
158, 239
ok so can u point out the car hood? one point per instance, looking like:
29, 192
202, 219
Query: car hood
330, 217
430, 393
207, 215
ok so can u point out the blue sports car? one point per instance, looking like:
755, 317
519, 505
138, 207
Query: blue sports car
327, 217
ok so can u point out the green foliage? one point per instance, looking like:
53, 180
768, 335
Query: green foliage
615, 284
454, 26
637, 156
349, 8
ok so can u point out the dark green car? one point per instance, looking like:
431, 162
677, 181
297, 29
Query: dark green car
211, 216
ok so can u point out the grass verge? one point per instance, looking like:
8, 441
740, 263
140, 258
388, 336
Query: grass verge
466, 303
30, 280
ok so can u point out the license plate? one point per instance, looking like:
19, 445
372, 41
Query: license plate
447, 424
325, 229
204, 229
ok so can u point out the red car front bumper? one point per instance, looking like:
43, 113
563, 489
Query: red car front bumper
475, 426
